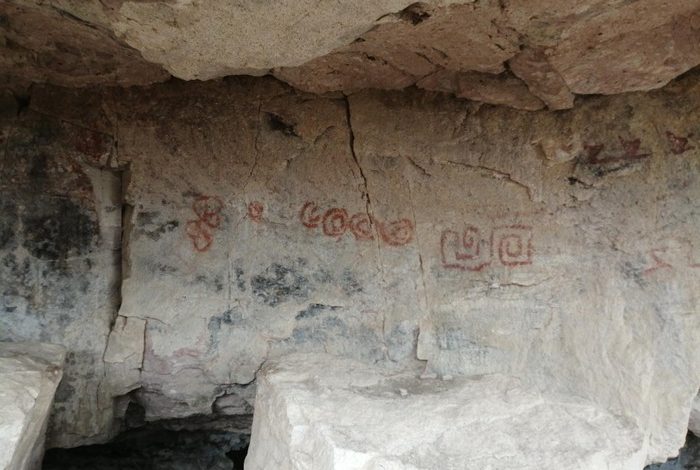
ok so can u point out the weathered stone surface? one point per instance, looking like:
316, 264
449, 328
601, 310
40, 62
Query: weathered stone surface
688, 458
29, 375
694, 423
559, 248
60, 226
532, 66
320, 412
45, 43
555, 48
493, 89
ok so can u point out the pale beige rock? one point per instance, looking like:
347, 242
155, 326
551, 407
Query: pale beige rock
318, 412
124, 354
694, 423
204, 40
492, 89
634, 46
29, 375
557, 48
532, 66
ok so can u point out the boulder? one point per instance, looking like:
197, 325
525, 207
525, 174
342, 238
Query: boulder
318, 412
29, 375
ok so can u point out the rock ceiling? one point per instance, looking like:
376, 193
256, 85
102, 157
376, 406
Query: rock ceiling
528, 54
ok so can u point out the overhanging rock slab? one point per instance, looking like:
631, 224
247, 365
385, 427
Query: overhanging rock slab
320, 412
29, 375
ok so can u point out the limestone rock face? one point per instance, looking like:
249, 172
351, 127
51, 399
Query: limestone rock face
389, 227
520, 53
29, 375
318, 412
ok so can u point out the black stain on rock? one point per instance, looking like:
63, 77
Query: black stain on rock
8, 223
350, 283
240, 281
149, 226
323, 276
230, 318
58, 228
275, 122
313, 310
216, 282
278, 284
64, 392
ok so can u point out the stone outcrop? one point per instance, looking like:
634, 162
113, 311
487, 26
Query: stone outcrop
29, 375
390, 227
521, 53
694, 423
319, 412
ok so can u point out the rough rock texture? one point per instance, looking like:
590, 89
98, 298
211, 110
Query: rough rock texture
689, 458
521, 53
694, 423
560, 248
40, 42
318, 412
60, 226
29, 375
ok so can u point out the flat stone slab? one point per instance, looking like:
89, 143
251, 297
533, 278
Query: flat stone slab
321, 412
29, 375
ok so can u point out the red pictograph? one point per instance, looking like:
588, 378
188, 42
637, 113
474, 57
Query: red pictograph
513, 244
255, 211
309, 215
361, 226
397, 232
630, 152
678, 144
463, 250
201, 231
336, 221
671, 254
510, 245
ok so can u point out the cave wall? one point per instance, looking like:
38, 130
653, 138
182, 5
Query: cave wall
60, 228
386, 226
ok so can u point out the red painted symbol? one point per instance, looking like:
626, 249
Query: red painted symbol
513, 244
656, 255
200, 231
672, 253
335, 222
678, 144
255, 211
630, 152
361, 227
309, 216
464, 251
396, 233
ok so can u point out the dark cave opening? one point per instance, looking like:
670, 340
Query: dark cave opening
152, 447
